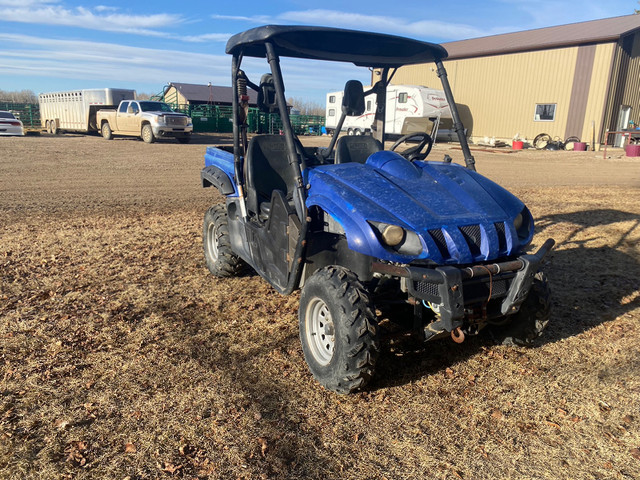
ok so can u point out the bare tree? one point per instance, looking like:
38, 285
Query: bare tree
22, 96
306, 107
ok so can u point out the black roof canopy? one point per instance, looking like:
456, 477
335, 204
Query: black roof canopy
364, 49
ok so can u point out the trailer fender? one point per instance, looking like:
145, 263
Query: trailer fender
216, 177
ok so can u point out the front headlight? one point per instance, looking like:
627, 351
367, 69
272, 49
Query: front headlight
161, 119
393, 235
523, 224
398, 239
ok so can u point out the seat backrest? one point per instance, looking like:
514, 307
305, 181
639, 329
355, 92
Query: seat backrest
356, 148
266, 169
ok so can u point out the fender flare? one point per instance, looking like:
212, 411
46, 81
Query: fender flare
359, 239
216, 177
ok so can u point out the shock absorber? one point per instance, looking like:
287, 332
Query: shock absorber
243, 110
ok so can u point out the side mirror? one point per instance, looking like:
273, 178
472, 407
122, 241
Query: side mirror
353, 99
267, 94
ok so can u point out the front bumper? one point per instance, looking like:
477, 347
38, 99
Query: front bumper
452, 290
164, 131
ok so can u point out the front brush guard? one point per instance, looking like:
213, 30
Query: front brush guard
443, 286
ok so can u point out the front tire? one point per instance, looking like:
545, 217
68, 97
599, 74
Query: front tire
147, 134
220, 259
107, 134
338, 330
529, 323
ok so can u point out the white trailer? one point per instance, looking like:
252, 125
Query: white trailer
75, 110
410, 108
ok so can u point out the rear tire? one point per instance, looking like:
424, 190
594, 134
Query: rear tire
338, 330
54, 127
107, 134
147, 134
529, 323
220, 259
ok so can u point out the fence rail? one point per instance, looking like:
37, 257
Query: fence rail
28, 113
206, 118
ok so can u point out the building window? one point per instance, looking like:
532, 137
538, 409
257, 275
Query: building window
332, 112
402, 97
545, 112
332, 99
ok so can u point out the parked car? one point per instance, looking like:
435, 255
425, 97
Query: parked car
9, 124
380, 241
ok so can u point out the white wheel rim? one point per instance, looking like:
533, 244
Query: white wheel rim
319, 331
212, 244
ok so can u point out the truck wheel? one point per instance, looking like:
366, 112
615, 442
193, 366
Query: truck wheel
106, 131
338, 330
54, 127
220, 259
147, 134
533, 317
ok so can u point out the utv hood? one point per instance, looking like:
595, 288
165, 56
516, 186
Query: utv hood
457, 215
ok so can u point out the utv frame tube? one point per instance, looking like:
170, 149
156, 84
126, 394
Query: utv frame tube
469, 161
299, 194
237, 158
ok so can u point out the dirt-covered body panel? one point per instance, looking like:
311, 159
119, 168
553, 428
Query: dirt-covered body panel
421, 197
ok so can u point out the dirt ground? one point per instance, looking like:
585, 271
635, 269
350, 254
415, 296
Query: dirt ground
122, 357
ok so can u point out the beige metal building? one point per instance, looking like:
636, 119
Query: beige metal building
570, 80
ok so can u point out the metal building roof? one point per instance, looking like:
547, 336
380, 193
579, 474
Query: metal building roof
210, 94
595, 31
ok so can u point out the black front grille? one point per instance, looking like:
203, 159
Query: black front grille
473, 235
478, 289
502, 236
426, 288
441, 243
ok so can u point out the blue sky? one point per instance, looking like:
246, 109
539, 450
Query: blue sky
52, 45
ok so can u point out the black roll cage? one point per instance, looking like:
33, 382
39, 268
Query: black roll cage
374, 50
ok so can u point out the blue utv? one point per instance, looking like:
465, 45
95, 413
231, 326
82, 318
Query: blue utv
377, 240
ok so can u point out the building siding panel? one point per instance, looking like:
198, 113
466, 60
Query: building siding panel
580, 90
501, 92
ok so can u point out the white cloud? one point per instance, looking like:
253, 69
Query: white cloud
107, 62
425, 29
82, 17
26, 3
206, 37
89, 63
105, 8
545, 13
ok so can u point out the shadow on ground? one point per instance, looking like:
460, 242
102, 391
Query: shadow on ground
589, 285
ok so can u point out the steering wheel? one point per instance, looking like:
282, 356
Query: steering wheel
413, 153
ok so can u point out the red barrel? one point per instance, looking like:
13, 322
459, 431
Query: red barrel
517, 145
579, 146
633, 150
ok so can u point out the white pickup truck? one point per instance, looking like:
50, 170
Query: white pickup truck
146, 119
